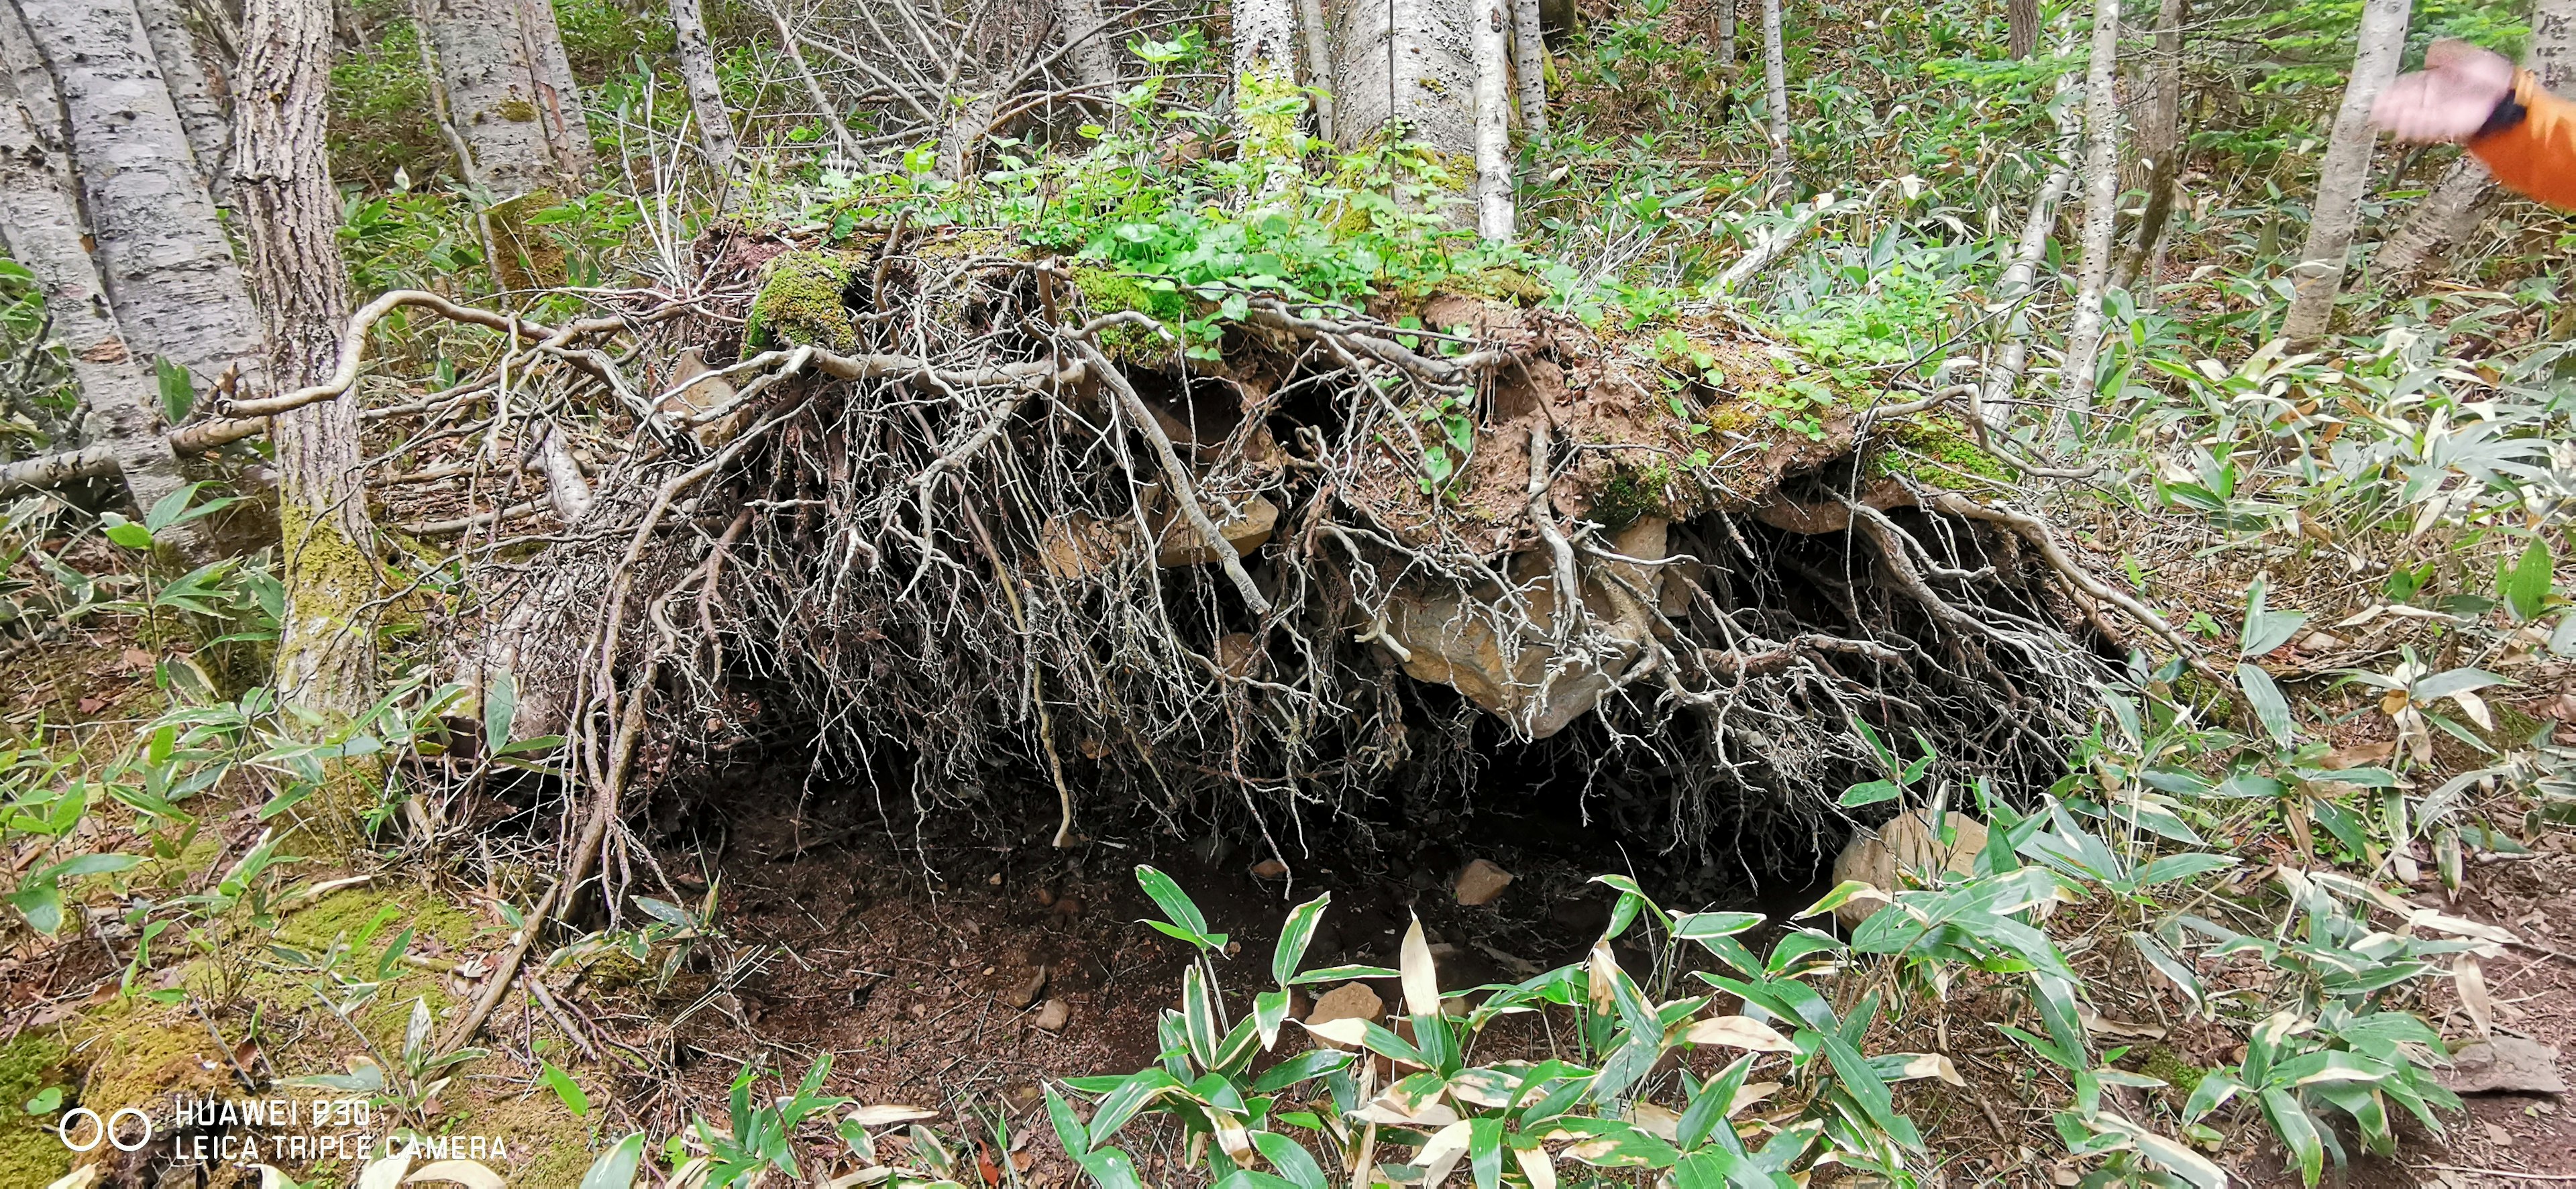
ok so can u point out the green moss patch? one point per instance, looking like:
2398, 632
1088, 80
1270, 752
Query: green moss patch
802, 304
30, 1154
1938, 450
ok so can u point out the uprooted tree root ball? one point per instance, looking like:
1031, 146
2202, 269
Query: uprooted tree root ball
987, 551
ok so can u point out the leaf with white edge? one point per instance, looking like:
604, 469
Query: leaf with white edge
2476, 708
2441, 922
1741, 1032
1537, 1166
2175, 971
1269, 1011
386, 1173
1844, 893
458, 1172
1693, 926
889, 1114
1294, 937
1348, 1033
2180, 1160
1440, 1154
1917, 1066
1421, 982
1177, 907
80, 1178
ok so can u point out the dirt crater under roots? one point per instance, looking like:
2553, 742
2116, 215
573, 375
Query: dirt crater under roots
973, 536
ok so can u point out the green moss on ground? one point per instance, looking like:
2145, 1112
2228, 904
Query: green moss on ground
30, 1154
801, 304
1938, 450
1631, 493
2179, 1076
135, 1051
1109, 291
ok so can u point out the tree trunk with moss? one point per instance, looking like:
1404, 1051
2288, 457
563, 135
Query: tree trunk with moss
169, 270
41, 225
510, 93
326, 656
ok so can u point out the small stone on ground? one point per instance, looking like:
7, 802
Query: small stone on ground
1481, 883
2505, 1065
1054, 1015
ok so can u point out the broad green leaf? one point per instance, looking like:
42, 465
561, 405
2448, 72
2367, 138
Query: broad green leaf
2298, 1133
500, 708
1177, 907
2270, 708
178, 394
2525, 587
565, 1088
1068, 1128
1293, 1162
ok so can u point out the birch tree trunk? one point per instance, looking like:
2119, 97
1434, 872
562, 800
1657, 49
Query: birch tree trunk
1726, 37
1089, 47
40, 225
2013, 289
169, 271
192, 91
1775, 88
1529, 63
2466, 192
509, 96
2160, 143
706, 92
2318, 278
326, 657
1491, 30
2021, 27
1409, 64
2101, 206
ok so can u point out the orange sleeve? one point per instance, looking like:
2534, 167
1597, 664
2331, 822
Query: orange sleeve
2536, 157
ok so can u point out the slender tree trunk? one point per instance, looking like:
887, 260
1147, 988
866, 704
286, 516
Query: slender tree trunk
1092, 50
1529, 65
1490, 27
522, 122
2318, 278
2160, 143
40, 224
1265, 71
832, 115
2467, 192
2013, 289
1317, 37
192, 90
1726, 48
2101, 205
706, 92
1775, 88
170, 272
2021, 27
326, 657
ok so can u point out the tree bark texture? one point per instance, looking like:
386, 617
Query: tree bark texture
2021, 27
170, 273
1265, 79
1490, 26
2467, 192
326, 657
1529, 64
194, 91
2318, 277
1317, 37
1407, 63
1090, 48
2160, 143
2101, 205
40, 224
1775, 88
510, 94
1726, 48
706, 92
2013, 289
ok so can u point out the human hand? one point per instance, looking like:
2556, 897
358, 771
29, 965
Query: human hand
2449, 99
